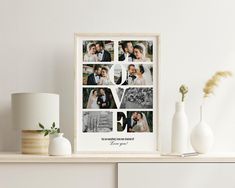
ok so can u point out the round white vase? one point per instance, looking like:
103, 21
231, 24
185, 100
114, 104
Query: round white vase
59, 145
202, 137
179, 140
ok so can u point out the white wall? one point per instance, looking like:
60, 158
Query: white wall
37, 50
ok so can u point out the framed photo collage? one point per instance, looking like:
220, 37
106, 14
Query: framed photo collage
116, 92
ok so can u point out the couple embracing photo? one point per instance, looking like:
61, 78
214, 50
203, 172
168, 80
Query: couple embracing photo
135, 51
99, 76
137, 123
98, 98
137, 74
96, 51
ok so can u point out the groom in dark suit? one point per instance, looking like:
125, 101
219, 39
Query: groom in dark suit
94, 77
103, 55
127, 55
131, 122
103, 100
131, 76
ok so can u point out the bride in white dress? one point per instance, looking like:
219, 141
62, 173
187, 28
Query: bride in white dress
104, 79
142, 124
143, 75
92, 101
91, 56
140, 53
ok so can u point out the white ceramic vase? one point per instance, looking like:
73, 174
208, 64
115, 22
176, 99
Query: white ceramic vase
179, 140
59, 145
202, 137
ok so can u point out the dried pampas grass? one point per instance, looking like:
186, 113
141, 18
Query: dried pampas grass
214, 81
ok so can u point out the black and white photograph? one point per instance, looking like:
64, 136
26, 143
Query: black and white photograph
120, 92
137, 98
117, 73
94, 121
97, 74
98, 51
136, 74
135, 51
135, 121
98, 98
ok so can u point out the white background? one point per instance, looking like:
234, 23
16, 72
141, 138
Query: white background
197, 39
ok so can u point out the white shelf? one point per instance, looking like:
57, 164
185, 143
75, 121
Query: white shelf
116, 158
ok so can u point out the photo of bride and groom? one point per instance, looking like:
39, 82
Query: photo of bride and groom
96, 74
137, 74
136, 121
98, 98
98, 51
136, 51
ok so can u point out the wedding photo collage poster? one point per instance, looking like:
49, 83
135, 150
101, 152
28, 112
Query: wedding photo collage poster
118, 97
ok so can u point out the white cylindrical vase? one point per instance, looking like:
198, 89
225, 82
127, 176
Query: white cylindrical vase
179, 138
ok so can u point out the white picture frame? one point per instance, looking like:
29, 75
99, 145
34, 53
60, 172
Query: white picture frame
101, 142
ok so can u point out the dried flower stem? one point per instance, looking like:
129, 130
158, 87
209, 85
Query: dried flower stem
183, 90
214, 81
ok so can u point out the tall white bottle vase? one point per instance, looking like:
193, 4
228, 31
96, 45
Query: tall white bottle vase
179, 140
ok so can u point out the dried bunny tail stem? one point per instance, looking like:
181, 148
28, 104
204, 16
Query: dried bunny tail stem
224, 74
214, 81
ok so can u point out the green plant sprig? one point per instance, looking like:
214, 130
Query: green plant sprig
52, 131
183, 90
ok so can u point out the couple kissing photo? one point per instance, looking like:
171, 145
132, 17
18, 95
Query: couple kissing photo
98, 51
98, 98
136, 121
135, 51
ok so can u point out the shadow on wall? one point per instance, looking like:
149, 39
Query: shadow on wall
9, 135
64, 85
